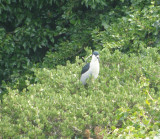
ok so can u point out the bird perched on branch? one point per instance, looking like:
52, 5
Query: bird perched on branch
91, 69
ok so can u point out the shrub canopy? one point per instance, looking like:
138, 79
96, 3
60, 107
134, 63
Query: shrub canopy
125, 95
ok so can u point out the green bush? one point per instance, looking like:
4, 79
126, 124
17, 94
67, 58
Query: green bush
137, 122
60, 106
137, 29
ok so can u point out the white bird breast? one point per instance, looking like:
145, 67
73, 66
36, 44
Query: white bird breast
94, 67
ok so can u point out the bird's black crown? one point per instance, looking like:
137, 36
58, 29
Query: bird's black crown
95, 53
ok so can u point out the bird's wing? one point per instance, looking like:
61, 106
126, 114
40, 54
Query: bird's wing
85, 68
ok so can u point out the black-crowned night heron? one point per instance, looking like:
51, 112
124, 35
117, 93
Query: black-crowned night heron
91, 68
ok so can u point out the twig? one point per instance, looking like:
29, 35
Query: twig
76, 129
149, 95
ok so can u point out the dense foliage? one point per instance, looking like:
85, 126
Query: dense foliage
123, 100
41, 48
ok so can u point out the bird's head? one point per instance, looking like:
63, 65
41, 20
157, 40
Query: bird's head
95, 56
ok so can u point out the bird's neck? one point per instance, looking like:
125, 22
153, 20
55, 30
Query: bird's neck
94, 63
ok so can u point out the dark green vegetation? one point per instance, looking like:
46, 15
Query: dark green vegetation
41, 49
